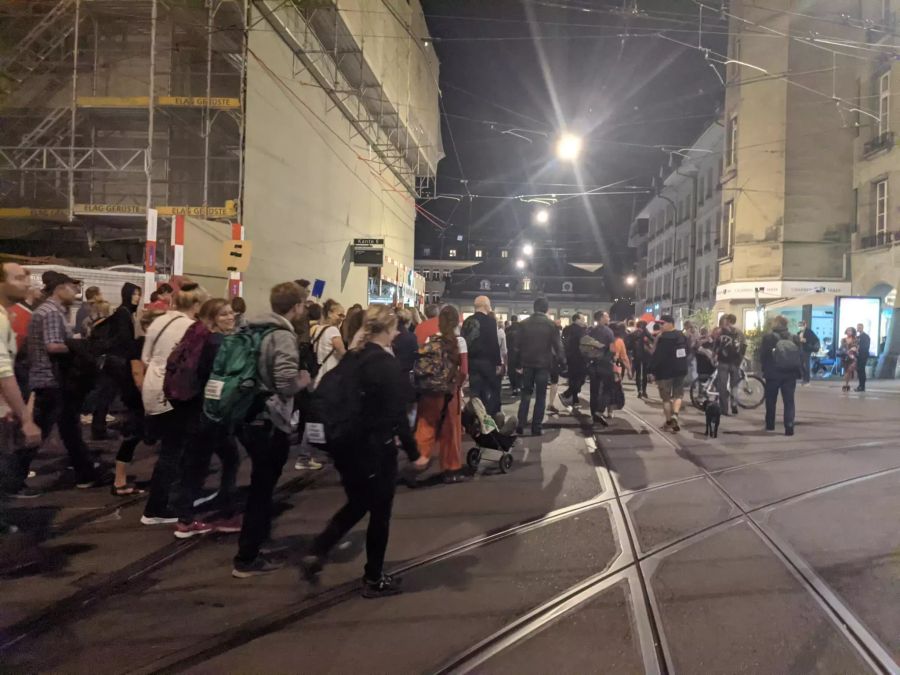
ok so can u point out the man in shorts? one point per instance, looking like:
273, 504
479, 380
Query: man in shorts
669, 367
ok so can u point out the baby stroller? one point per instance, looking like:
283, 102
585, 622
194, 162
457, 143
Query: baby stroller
494, 435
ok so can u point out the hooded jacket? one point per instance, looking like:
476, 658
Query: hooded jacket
121, 333
279, 366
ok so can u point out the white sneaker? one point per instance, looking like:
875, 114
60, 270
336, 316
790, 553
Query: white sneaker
307, 464
87, 419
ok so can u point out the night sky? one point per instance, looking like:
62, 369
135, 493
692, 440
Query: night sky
532, 67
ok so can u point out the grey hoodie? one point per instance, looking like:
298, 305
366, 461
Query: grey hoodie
279, 366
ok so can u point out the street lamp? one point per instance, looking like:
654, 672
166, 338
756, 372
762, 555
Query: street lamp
542, 217
568, 147
520, 264
630, 280
528, 249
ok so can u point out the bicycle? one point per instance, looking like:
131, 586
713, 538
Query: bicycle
748, 393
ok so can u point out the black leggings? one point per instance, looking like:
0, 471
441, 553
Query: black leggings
367, 492
640, 375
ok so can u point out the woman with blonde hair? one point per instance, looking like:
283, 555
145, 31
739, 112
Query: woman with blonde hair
369, 473
439, 412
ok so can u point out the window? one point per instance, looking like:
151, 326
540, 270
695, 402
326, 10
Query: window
485, 285
504, 253
884, 103
567, 287
459, 237
479, 253
881, 206
731, 137
452, 253
526, 284
426, 251
728, 229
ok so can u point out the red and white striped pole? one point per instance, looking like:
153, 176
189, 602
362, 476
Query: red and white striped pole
235, 284
178, 246
150, 253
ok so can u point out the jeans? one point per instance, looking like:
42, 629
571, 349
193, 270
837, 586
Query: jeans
169, 428
102, 398
861, 370
576, 382
367, 492
534, 381
602, 383
482, 375
55, 407
787, 386
805, 367
727, 377
640, 376
268, 449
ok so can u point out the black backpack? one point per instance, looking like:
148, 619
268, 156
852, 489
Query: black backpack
335, 410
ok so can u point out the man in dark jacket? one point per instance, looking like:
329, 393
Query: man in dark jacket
779, 378
865, 347
512, 338
601, 371
536, 350
639, 350
669, 366
729, 346
809, 343
485, 364
571, 337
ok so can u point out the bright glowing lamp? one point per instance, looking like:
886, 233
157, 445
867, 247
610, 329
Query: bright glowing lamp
568, 147
542, 217
528, 249
520, 264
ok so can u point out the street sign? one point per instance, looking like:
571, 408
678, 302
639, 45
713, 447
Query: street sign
368, 252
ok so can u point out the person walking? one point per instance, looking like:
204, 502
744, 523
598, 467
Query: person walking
203, 437
430, 326
18, 432
730, 346
600, 365
537, 348
327, 340
577, 367
641, 352
166, 422
809, 344
864, 346
669, 367
781, 357
267, 435
480, 333
369, 473
58, 386
849, 356
439, 415
91, 295
621, 368
504, 358
512, 368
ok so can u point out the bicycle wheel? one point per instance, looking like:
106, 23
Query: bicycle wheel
750, 392
699, 393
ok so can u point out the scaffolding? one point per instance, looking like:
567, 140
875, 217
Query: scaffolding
111, 107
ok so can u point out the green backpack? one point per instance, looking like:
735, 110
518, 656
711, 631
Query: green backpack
234, 386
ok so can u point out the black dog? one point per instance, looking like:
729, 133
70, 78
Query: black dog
713, 417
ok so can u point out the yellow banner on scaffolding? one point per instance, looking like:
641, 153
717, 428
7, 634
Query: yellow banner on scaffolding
218, 102
227, 211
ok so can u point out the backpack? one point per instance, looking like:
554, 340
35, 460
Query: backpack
180, 383
471, 331
336, 407
592, 349
433, 371
233, 387
787, 355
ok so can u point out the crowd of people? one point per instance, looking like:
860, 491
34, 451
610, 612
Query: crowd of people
195, 377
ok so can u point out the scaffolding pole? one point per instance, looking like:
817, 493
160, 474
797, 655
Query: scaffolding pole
71, 172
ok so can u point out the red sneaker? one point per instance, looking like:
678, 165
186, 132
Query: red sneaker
186, 530
230, 525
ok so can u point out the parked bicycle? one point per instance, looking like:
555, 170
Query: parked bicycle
749, 392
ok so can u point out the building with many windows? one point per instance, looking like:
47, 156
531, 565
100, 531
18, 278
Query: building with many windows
677, 233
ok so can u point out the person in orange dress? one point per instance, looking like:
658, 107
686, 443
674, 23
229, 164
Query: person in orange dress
621, 367
431, 428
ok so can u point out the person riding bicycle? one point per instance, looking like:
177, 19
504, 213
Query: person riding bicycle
729, 347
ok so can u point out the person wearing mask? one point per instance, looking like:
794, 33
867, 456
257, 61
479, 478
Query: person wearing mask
429, 326
369, 476
600, 371
239, 305
166, 422
91, 296
864, 352
406, 347
537, 348
485, 365
849, 356
729, 347
571, 339
58, 389
778, 374
203, 437
15, 415
266, 435
809, 343
641, 353
668, 366
512, 368
440, 415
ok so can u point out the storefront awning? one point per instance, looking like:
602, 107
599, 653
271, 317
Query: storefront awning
814, 299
